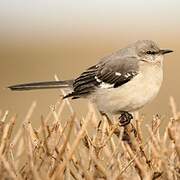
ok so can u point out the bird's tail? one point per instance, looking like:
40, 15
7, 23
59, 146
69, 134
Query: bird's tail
42, 85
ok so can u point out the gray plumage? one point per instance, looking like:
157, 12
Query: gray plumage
123, 81
42, 85
115, 73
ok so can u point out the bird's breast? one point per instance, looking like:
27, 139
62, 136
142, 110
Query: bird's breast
133, 95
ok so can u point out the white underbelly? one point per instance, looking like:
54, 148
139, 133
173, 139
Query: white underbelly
131, 96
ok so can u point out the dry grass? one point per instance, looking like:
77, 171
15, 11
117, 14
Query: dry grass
88, 148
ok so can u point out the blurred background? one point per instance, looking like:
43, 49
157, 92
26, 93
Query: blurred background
41, 38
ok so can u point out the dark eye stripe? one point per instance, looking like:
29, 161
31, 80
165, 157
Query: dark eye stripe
151, 52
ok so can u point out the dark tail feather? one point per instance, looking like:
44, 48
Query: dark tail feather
42, 85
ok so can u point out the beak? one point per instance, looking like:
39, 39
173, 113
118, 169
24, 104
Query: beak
165, 51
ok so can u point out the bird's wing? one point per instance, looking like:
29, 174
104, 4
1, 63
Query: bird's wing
106, 74
85, 83
118, 72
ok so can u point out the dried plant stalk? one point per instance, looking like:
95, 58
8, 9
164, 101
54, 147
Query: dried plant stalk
89, 148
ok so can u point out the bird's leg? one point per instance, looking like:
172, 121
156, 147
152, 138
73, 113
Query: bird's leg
125, 118
107, 117
110, 123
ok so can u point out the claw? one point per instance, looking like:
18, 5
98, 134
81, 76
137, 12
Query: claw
125, 118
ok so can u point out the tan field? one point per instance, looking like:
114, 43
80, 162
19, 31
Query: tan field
89, 147
63, 38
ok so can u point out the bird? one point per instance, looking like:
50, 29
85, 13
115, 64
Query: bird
119, 84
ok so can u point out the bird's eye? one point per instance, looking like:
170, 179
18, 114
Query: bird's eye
151, 52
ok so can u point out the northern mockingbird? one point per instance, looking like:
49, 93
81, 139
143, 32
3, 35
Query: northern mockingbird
120, 83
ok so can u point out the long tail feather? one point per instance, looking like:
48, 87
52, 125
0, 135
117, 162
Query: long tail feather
42, 85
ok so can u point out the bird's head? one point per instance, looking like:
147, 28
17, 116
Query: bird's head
148, 51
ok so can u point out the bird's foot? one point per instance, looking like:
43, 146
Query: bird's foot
125, 118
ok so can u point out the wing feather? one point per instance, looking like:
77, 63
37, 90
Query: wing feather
115, 73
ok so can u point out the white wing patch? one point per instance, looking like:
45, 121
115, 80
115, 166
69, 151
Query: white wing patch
106, 85
118, 74
103, 84
127, 75
97, 79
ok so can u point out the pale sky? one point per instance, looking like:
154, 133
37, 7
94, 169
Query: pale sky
51, 34
68, 16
